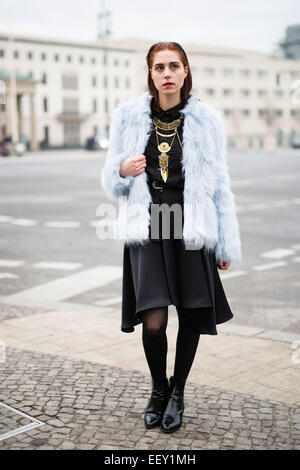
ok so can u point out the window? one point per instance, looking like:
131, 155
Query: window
209, 91
117, 82
245, 92
295, 113
116, 62
70, 106
228, 72
69, 58
16, 54
261, 93
262, 73
245, 73
70, 82
93, 60
81, 59
227, 112
127, 82
94, 81
127, 63
56, 57
45, 105
44, 78
29, 55
227, 92
94, 105
209, 71
106, 106
43, 56
105, 81
261, 112
245, 112
2, 53
278, 93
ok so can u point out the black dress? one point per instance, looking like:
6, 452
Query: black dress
163, 272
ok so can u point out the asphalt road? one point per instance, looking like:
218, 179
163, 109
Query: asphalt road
49, 246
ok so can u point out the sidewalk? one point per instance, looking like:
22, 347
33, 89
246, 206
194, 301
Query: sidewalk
89, 383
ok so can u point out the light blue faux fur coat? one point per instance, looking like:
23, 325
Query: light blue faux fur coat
204, 164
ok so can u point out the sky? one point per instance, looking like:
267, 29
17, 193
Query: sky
256, 25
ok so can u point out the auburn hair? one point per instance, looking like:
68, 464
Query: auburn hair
187, 85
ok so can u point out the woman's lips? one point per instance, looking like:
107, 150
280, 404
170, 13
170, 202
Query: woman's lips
168, 84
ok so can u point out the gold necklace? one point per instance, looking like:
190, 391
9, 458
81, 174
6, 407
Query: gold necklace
167, 126
164, 147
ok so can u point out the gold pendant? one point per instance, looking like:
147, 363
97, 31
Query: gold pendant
163, 159
164, 147
164, 174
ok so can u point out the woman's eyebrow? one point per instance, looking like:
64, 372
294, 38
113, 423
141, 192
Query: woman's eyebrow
173, 62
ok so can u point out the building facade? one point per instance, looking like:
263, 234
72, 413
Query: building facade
64, 92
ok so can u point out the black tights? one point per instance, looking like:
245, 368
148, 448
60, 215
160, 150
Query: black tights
155, 344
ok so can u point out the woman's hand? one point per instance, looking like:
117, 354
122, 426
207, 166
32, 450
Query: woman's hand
223, 264
133, 165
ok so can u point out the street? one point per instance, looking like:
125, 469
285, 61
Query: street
48, 220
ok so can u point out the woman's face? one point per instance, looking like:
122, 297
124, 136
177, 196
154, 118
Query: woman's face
167, 67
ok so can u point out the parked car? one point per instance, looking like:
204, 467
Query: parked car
295, 142
98, 142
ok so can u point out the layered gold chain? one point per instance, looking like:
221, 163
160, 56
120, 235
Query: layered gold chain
164, 147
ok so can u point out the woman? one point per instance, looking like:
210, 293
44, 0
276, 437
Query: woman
168, 151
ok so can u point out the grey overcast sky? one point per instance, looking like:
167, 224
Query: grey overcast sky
256, 25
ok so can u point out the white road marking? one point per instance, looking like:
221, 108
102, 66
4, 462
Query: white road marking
257, 206
62, 224
50, 200
295, 247
24, 222
69, 286
296, 200
225, 275
8, 275
109, 301
56, 265
296, 259
282, 203
11, 263
5, 218
278, 253
264, 267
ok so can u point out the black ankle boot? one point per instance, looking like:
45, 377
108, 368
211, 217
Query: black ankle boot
172, 417
157, 403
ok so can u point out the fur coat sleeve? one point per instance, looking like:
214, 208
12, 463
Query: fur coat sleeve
112, 183
228, 247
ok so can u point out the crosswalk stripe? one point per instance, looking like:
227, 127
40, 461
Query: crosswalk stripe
8, 276
56, 265
277, 253
264, 267
62, 224
11, 263
68, 286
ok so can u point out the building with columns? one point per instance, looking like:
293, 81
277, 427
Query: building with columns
64, 91
57, 93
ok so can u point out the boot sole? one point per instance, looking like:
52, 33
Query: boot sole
171, 430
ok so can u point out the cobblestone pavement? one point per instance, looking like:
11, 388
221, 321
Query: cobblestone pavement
86, 405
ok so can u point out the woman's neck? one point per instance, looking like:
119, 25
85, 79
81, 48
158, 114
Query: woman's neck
167, 102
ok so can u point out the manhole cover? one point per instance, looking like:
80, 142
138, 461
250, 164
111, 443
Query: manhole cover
14, 422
